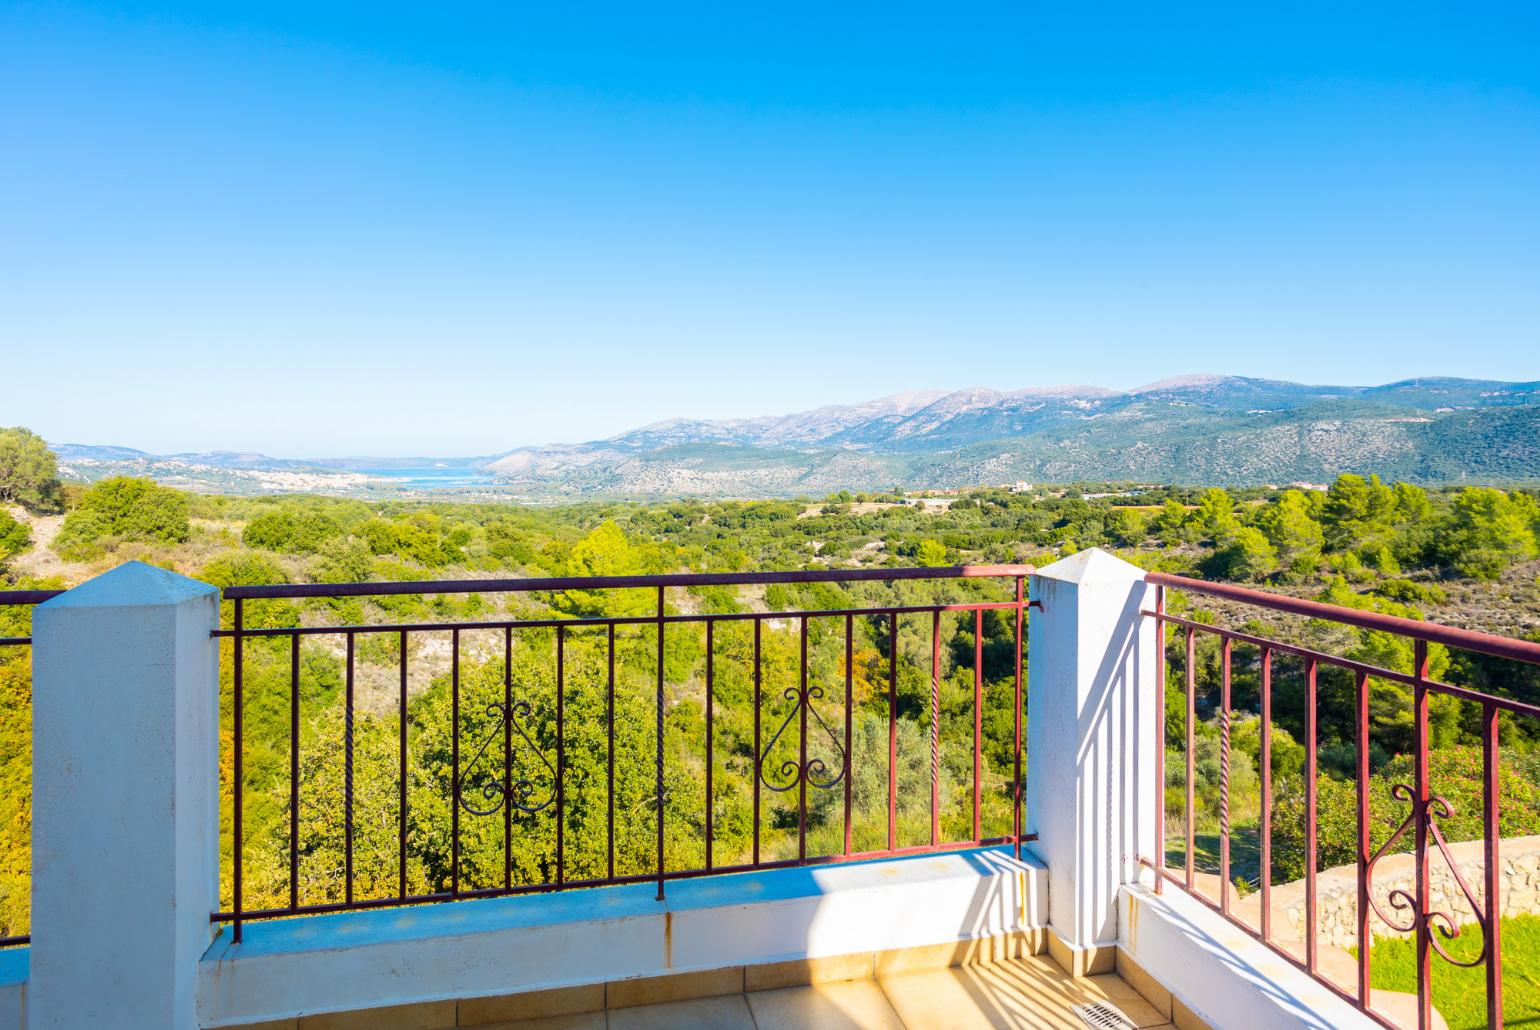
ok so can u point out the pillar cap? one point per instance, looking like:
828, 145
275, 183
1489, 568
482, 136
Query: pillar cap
131, 585
1093, 565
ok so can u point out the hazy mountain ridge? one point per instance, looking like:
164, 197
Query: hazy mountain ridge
1188, 429
1202, 428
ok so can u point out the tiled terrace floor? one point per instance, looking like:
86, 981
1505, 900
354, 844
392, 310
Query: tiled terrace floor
1025, 994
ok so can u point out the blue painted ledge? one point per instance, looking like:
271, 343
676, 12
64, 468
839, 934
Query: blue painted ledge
14, 963
479, 915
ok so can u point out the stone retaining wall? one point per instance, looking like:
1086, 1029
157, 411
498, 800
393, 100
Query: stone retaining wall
1337, 890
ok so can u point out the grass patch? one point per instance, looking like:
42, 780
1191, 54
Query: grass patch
1461, 994
1245, 852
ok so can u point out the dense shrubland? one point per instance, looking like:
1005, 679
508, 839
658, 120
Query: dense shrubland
1459, 554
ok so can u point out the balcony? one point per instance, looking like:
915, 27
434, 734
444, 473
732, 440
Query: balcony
678, 802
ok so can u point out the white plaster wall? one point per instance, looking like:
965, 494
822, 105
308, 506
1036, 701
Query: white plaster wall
490, 947
1093, 716
13, 1006
1221, 972
13, 987
125, 800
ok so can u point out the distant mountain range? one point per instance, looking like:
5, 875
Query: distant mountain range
1192, 429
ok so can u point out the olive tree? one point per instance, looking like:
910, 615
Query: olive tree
29, 472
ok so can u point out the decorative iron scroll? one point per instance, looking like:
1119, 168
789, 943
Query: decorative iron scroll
518, 791
813, 770
1405, 902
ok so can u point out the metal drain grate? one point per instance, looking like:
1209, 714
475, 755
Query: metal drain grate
1103, 1016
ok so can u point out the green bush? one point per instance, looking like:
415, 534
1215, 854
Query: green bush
289, 531
1486, 530
1454, 774
123, 508
243, 568
14, 538
1245, 554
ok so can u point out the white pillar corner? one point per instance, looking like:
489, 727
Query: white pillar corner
1092, 735
125, 800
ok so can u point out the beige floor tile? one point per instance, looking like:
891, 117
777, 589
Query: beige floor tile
1081, 961
1043, 985
920, 959
1150, 989
768, 976
654, 990
1030, 993
1134, 1005
507, 1008
427, 1015
1186, 1018
727, 1013
579, 1021
947, 998
852, 1005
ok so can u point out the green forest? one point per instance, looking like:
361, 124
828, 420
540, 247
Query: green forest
1464, 555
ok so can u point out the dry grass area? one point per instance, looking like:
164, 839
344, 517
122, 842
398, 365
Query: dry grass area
1510, 606
40, 562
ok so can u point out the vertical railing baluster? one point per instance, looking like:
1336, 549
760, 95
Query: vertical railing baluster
294, 771
1361, 728
759, 757
849, 714
347, 777
1422, 927
609, 722
1266, 761
454, 761
1311, 745
1224, 775
1016, 792
1490, 787
1192, 715
802, 706
507, 757
978, 719
892, 730
237, 858
561, 755
710, 735
810, 686
1159, 788
935, 727
401, 786
660, 744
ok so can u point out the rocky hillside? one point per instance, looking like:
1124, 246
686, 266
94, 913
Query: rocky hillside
1194, 429
1201, 429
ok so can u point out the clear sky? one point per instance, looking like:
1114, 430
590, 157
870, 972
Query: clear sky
313, 229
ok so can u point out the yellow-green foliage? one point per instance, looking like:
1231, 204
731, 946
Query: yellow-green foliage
1364, 544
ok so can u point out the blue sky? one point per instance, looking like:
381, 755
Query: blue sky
315, 229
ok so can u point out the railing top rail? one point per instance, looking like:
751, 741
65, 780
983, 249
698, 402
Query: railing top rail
1432, 632
27, 596
687, 579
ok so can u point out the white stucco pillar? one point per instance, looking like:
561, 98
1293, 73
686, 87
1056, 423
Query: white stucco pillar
1092, 727
125, 800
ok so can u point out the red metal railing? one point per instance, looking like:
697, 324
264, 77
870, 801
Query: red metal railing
492, 796
1411, 912
20, 599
